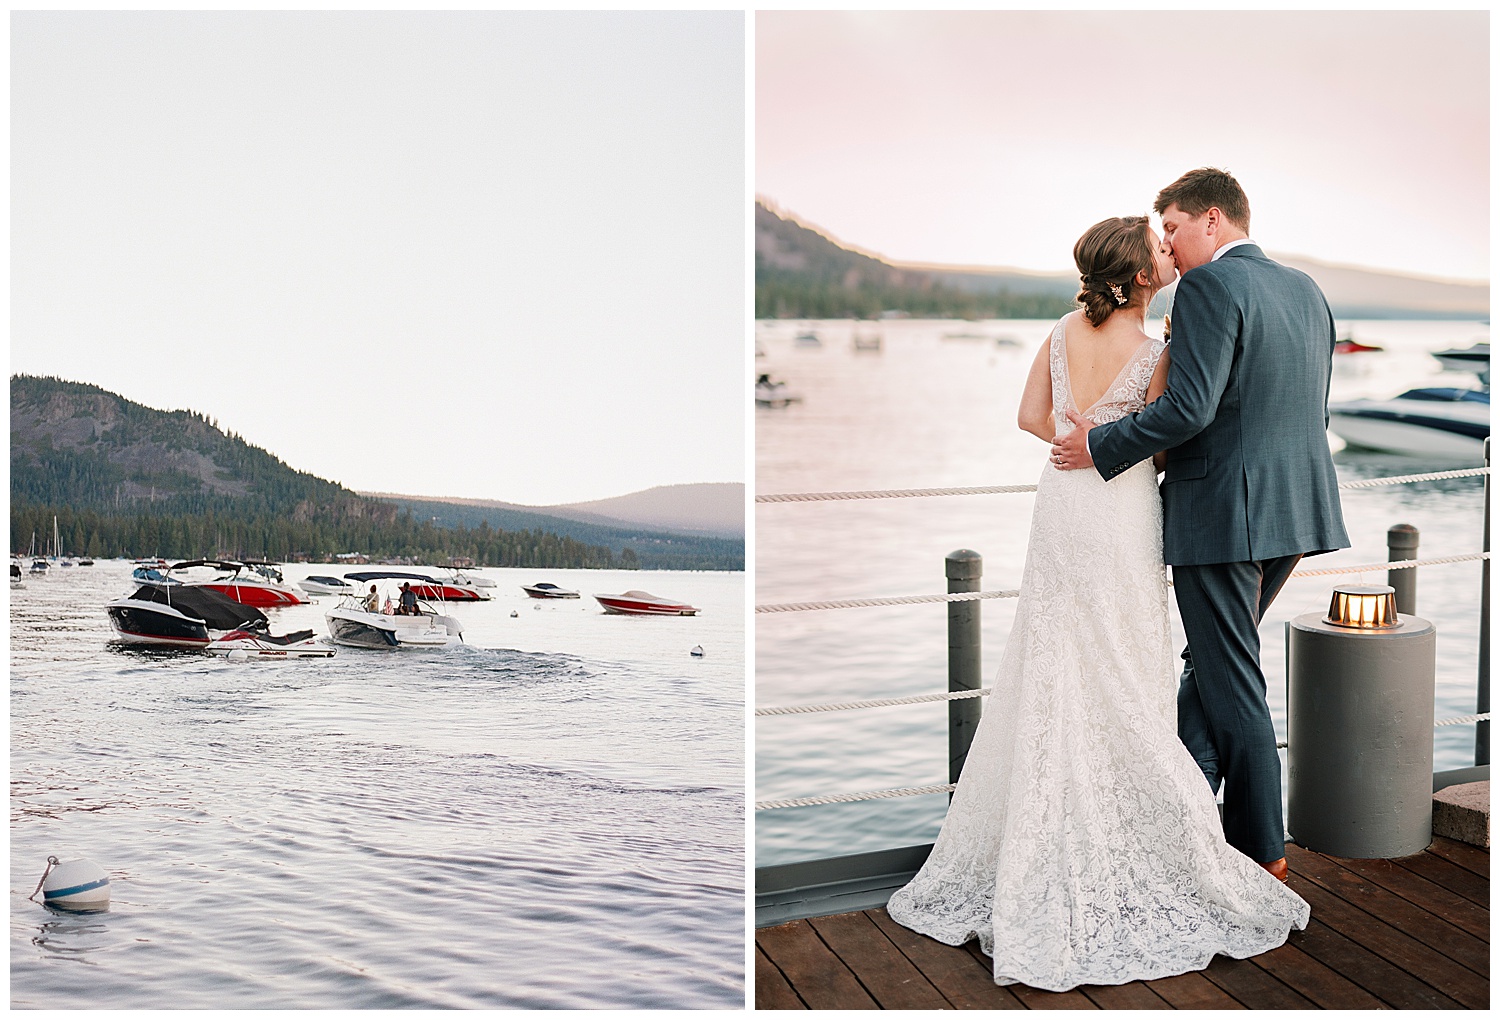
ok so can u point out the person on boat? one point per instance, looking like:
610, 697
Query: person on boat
372, 601
408, 600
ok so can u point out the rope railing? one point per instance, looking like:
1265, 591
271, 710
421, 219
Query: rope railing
987, 490
919, 791
1010, 593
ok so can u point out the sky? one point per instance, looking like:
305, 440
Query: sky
997, 138
478, 254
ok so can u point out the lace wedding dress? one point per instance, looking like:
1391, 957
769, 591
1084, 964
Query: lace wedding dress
1083, 845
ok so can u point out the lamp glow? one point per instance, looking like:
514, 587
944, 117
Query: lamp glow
1364, 607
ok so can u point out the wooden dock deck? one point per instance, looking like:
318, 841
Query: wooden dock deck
1411, 933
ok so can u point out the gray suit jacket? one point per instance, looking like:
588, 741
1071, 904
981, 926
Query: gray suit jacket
1244, 419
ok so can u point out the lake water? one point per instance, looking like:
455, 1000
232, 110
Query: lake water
549, 815
936, 408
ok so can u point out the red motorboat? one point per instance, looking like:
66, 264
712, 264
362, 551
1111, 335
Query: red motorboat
429, 587
1348, 345
642, 603
251, 583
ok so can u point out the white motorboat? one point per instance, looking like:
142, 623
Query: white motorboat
320, 584
808, 338
353, 624
1429, 422
1474, 359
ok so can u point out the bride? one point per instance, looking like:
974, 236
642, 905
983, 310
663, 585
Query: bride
1082, 845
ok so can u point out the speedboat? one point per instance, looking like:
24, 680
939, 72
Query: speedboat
40, 566
320, 584
252, 582
808, 338
1474, 359
1349, 345
257, 644
355, 625
462, 576
642, 603
15, 575
428, 587
773, 394
178, 615
546, 590
867, 343
1433, 421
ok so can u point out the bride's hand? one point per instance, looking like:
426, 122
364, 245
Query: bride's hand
1071, 452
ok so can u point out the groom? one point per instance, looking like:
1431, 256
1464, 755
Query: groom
1249, 488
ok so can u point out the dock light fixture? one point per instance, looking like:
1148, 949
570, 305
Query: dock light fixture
1359, 726
1364, 607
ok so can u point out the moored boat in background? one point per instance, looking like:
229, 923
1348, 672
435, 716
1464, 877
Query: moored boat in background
642, 603
1431, 421
547, 590
251, 582
321, 584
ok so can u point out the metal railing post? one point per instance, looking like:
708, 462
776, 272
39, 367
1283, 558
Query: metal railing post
1482, 729
1401, 544
964, 568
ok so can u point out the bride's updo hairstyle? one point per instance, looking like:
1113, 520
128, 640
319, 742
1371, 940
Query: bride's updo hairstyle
1108, 256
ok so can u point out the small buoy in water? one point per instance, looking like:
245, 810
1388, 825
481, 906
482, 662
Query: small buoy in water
514, 614
77, 885
697, 652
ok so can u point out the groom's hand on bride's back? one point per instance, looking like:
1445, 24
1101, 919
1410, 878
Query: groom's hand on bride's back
1071, 452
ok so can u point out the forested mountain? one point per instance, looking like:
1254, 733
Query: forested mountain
801, 274
125, 479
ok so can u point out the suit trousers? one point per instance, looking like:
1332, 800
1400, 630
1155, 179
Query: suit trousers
1222, 715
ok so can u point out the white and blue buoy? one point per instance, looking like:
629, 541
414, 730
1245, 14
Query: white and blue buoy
76, 885
697, 652
514, 614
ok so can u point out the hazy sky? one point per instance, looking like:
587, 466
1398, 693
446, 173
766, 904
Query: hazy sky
494, 255
997, 138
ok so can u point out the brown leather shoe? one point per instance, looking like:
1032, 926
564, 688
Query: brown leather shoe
1277, 869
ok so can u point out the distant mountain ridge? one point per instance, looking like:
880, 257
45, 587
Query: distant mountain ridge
123, 478
702, 508
803, 267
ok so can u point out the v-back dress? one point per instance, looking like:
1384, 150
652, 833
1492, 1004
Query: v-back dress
1083, 845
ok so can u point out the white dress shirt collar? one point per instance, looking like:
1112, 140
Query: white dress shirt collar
1231, 244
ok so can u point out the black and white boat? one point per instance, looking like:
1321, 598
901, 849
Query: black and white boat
178, 615
547, 590
1435, 421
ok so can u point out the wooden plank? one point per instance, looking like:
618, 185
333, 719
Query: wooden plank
1449, 875
886, 974
1192, 991
819, 978
1036, 998
1433, 898
1387, 982
1462, 854
964, 981
1318, 983
1452, 979
1253, 986
1399, 913
1134, 995
771, 988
